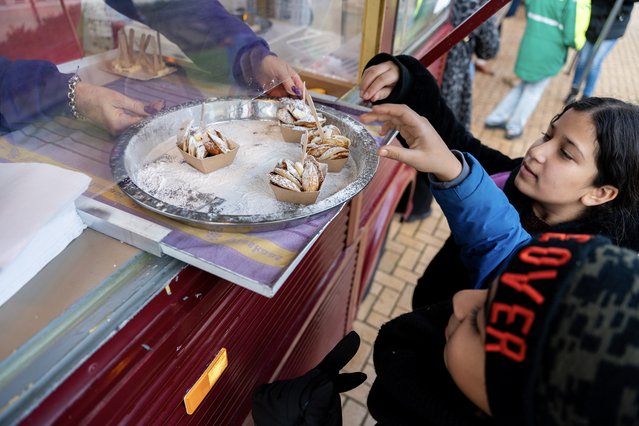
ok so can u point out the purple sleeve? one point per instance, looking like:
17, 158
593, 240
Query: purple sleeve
500, 179
30, 90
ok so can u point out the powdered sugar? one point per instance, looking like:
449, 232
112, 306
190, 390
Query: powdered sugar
241, 188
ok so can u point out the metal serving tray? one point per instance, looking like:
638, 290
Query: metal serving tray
147, 152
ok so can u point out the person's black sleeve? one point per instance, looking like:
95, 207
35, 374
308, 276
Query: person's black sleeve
418, 89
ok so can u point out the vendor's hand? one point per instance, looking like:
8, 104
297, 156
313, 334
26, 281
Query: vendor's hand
274, 70
428, 152
312, 399
378, 81
107, 108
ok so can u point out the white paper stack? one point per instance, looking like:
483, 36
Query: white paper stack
38, 219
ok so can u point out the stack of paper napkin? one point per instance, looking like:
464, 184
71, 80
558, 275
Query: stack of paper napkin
38, 219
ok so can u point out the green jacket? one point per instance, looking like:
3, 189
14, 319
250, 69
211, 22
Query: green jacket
552, 26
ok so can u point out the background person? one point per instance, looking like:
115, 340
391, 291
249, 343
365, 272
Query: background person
551, 28
598, 15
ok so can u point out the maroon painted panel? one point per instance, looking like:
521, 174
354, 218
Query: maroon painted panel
318, 339
391, 177
142, 374
379, 202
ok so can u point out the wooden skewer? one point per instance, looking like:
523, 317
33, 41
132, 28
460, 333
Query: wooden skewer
144, 42
202, 117
141, 58
304, 145
157, 37
312, 105
124, 59
129, 45
156, 61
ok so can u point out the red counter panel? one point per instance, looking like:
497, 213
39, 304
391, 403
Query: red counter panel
142, 374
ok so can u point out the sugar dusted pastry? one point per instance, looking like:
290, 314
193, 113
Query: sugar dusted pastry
201, 143
295, 112
333, 146
299, 177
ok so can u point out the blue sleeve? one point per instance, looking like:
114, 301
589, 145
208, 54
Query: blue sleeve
30, 90
482, 221
200, 28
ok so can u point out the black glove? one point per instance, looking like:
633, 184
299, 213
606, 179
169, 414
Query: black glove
312, 399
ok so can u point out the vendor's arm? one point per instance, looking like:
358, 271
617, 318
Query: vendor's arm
109, 109
30, 91
33, 90
200, 27
415, 87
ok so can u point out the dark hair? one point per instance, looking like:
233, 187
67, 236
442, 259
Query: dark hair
617, 157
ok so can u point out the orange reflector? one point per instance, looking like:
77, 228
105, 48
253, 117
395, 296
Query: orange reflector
201, 388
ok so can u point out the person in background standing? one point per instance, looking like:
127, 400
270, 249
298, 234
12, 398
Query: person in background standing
599, 13
457, 81
551, 28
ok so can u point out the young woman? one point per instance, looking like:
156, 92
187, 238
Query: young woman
580, 176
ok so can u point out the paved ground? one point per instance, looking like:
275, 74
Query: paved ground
411, 246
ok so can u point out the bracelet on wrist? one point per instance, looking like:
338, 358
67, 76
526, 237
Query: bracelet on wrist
73, 82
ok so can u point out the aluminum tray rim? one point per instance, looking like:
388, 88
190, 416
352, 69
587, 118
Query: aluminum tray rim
245, 223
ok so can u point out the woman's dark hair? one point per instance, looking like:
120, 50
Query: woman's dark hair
616, 125
617, 157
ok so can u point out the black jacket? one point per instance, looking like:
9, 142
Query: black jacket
600, 9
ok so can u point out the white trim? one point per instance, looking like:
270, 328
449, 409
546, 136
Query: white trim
545, 20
